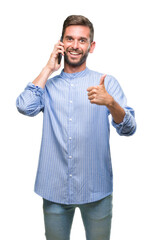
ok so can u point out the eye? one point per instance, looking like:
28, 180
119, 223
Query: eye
82, 40
69, 39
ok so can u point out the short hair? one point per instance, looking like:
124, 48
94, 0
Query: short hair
78, 20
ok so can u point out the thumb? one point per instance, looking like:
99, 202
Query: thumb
102, 79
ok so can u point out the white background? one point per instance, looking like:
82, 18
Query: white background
123, 35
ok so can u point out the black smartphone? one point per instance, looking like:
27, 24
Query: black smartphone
60, 55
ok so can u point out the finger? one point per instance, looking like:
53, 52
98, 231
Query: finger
94, 91
92, 97
60, 43
60, 47
55, 55
102, 79
91, 88
93, 101
60, 50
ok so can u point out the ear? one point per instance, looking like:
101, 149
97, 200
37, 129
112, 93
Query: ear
92, 47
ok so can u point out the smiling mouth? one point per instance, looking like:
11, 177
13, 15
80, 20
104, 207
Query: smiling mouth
74, 53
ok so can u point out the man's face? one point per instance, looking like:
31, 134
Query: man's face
77, 45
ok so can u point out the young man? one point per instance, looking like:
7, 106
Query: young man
75, 164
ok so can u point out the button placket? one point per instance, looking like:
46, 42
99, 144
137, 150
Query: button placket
70, 141
70, 115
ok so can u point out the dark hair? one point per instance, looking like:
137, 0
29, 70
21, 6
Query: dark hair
78, 20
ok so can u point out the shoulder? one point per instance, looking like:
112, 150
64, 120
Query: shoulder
94, 74
53, 80
109, 79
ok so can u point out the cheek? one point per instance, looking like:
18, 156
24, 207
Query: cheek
66, 46
86, 49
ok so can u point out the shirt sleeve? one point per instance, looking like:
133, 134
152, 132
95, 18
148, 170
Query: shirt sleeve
31, 101
128, 126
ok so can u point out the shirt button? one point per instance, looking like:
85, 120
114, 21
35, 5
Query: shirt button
70, 138
70, 175
72, 84
70, 119
70, 156
70, 101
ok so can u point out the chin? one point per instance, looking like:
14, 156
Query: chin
75, 63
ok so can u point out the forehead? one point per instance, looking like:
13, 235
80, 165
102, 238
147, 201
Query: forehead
77, 31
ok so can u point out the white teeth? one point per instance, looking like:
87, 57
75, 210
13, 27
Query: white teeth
74, 53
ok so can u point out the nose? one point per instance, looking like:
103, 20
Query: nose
75, 44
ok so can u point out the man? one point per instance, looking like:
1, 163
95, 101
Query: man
75, 164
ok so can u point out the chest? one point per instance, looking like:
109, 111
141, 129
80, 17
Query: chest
67, 99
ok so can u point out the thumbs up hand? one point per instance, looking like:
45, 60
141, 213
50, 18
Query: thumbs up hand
99, 95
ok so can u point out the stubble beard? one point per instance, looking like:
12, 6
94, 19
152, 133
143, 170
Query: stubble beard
75, 64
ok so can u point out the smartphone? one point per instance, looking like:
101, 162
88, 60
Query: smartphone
60, 55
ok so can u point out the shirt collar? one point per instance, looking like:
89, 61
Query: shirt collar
74, 75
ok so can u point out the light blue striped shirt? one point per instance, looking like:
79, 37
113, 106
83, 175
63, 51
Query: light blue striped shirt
75, 162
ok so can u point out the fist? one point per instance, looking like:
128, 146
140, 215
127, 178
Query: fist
98, 94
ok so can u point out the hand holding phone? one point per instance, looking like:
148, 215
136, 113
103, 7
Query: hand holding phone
55, 58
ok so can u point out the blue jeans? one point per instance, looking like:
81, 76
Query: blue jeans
96, 218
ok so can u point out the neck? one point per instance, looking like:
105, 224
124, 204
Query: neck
70, 69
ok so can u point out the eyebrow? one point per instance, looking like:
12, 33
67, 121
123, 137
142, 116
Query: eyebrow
69, 36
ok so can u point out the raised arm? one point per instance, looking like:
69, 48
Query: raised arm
114, 99
51, 66
31, 101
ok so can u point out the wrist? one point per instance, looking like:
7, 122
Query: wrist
116, 111
48, 69
110, 102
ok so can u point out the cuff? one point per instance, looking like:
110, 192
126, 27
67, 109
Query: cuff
125, 121
35, 89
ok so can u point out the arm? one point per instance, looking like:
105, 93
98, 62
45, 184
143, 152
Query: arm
116, 111
51, 66
114, 99
31, 101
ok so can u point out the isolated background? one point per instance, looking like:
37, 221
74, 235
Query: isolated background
123, 35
